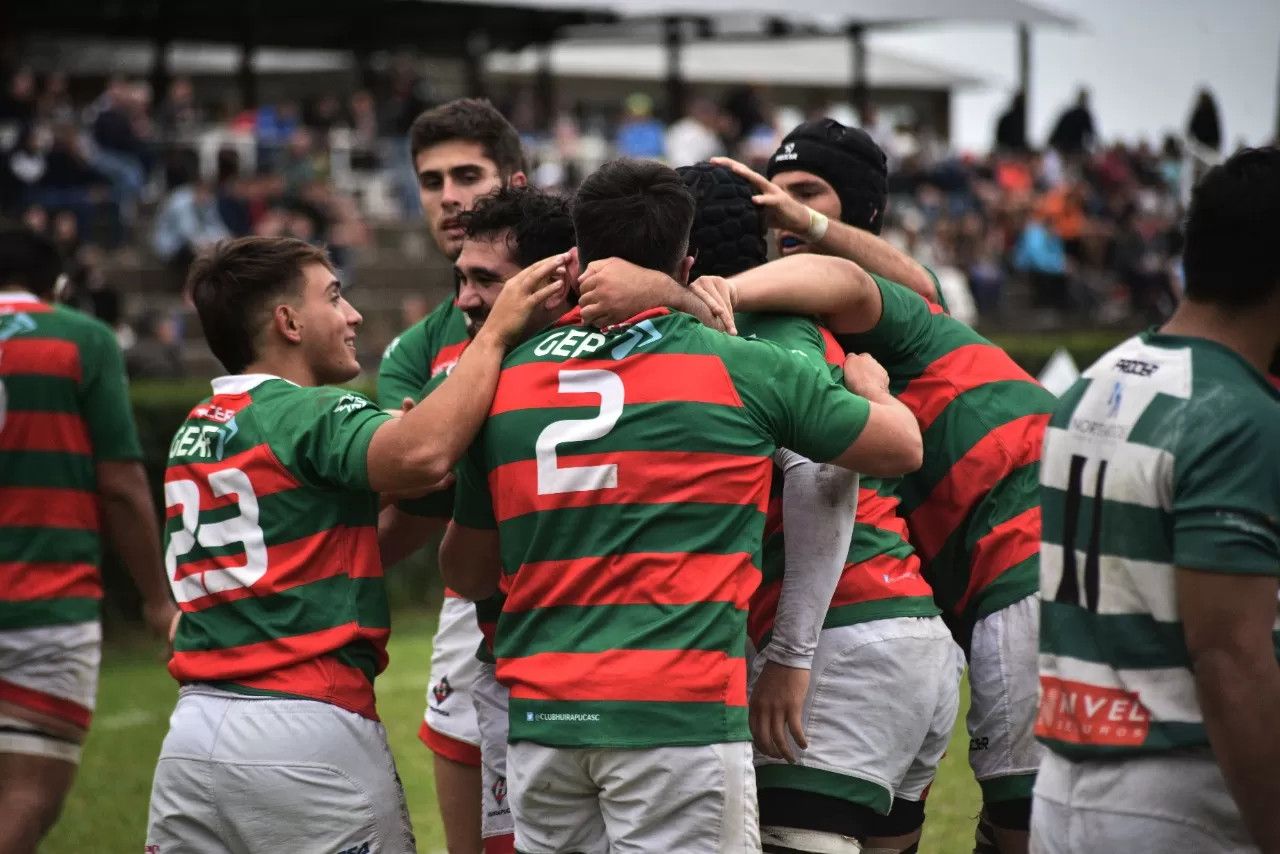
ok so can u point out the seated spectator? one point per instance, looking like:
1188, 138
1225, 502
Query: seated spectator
118, 153
187, 221
1041, 255
69, 182
640, 135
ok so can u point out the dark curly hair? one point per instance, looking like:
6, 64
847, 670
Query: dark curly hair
728, 234
538, 224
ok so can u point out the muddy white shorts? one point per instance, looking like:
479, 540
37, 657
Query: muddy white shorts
883, 698
51, 670
263, 775
1004, 684
1152, 805
694, 800
492, 700
449, 725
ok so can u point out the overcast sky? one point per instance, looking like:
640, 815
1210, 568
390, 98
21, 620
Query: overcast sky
1143, 60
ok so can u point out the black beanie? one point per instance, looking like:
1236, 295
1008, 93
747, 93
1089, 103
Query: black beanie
846, 158
728, 233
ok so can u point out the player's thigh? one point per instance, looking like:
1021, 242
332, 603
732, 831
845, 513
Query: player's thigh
1004, 698
924, 768
491, 700
554, 802
32, 790
697, 800
49, 676
454, 667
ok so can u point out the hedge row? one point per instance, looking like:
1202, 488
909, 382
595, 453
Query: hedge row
159, 407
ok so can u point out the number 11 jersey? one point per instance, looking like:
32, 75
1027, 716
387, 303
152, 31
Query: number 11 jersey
271, 543
1162, 455
627, 474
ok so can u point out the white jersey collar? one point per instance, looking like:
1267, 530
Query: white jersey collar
242, 383
17, 296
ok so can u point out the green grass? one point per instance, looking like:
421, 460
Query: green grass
107, 809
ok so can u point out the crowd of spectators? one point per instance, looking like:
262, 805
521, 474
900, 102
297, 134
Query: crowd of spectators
1078, 231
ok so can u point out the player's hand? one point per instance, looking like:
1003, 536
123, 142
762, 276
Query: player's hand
540, 282
777, 707
865, 376
720, 296
162, 619
780, 210
612, 290
405, 405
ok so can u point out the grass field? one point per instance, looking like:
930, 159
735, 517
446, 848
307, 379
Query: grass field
107, 809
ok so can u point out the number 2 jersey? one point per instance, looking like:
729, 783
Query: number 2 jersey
1163, 455
64, 406
627, 475
271, 543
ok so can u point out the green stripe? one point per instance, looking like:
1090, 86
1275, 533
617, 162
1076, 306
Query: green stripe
37, 613
773, 558
716, 626
1013, 788
965, 422
298, 611
1152, 427
55, 545
628, 724
822, 782
1128, 530
704, 428
869, 542
49, 469
614, 529
1013, 585
1120, 641
880, 609
362, 655
1161, 738
43, 393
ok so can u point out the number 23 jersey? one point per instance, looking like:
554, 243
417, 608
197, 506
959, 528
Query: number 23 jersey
627, 475
271, 543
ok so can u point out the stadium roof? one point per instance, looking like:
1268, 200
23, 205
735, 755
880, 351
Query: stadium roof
823, 61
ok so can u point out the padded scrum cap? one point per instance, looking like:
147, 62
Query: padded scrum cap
846, 158
728, 233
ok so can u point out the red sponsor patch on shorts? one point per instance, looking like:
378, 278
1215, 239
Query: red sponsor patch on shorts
1080, 713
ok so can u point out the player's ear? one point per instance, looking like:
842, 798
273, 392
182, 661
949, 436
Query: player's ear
518, 179
686, 267
287, 324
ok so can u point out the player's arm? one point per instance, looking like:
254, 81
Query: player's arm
612, 290
400, 534
818, 506
128, 512
420, 448
870, 251
890, 444
839, 291
470, 559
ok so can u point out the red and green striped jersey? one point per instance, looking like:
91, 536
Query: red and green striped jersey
271, 543
881, 576
427, 349
626, 472
64, 406
973, 507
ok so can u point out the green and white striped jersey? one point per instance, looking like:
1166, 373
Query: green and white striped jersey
1162, 455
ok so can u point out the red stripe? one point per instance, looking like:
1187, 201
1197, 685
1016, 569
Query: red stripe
643, 477
574, 318
504, 844
1006, 545
646, 378
46, 357
764, 611
628, 675
449, 747
881, 577
1006, 448
834, 352
963, 369
340, 551
27, 581
59, 432
294, 665
1275, 381
46, 704
34, 507
266, 473
880, 511
25, 307
675, 578
221, 407
448, 356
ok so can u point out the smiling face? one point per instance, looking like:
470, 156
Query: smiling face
482, 268
451, 176
808, 189
326, 327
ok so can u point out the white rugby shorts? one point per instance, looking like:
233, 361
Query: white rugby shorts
492, 701
261, 775
882, 703
53, 671
449, 725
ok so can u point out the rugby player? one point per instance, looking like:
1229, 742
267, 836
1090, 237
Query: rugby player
973, 508
70, 465
272, 493
462, 151
629, 537
1161, 558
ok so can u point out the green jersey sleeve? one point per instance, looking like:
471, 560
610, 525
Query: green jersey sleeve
331, 432
793, 399
473, 505
406, 366
1227, 514
437, 505
104, 394
904, 329
797, 334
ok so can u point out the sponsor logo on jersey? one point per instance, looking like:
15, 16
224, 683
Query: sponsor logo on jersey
15, 324
499, 790
442, 690
1136, 367
562, 716
151, 849
1115, 399
395, 342
1099, 429
788, 153
1080, 713
350, 403
357, 849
